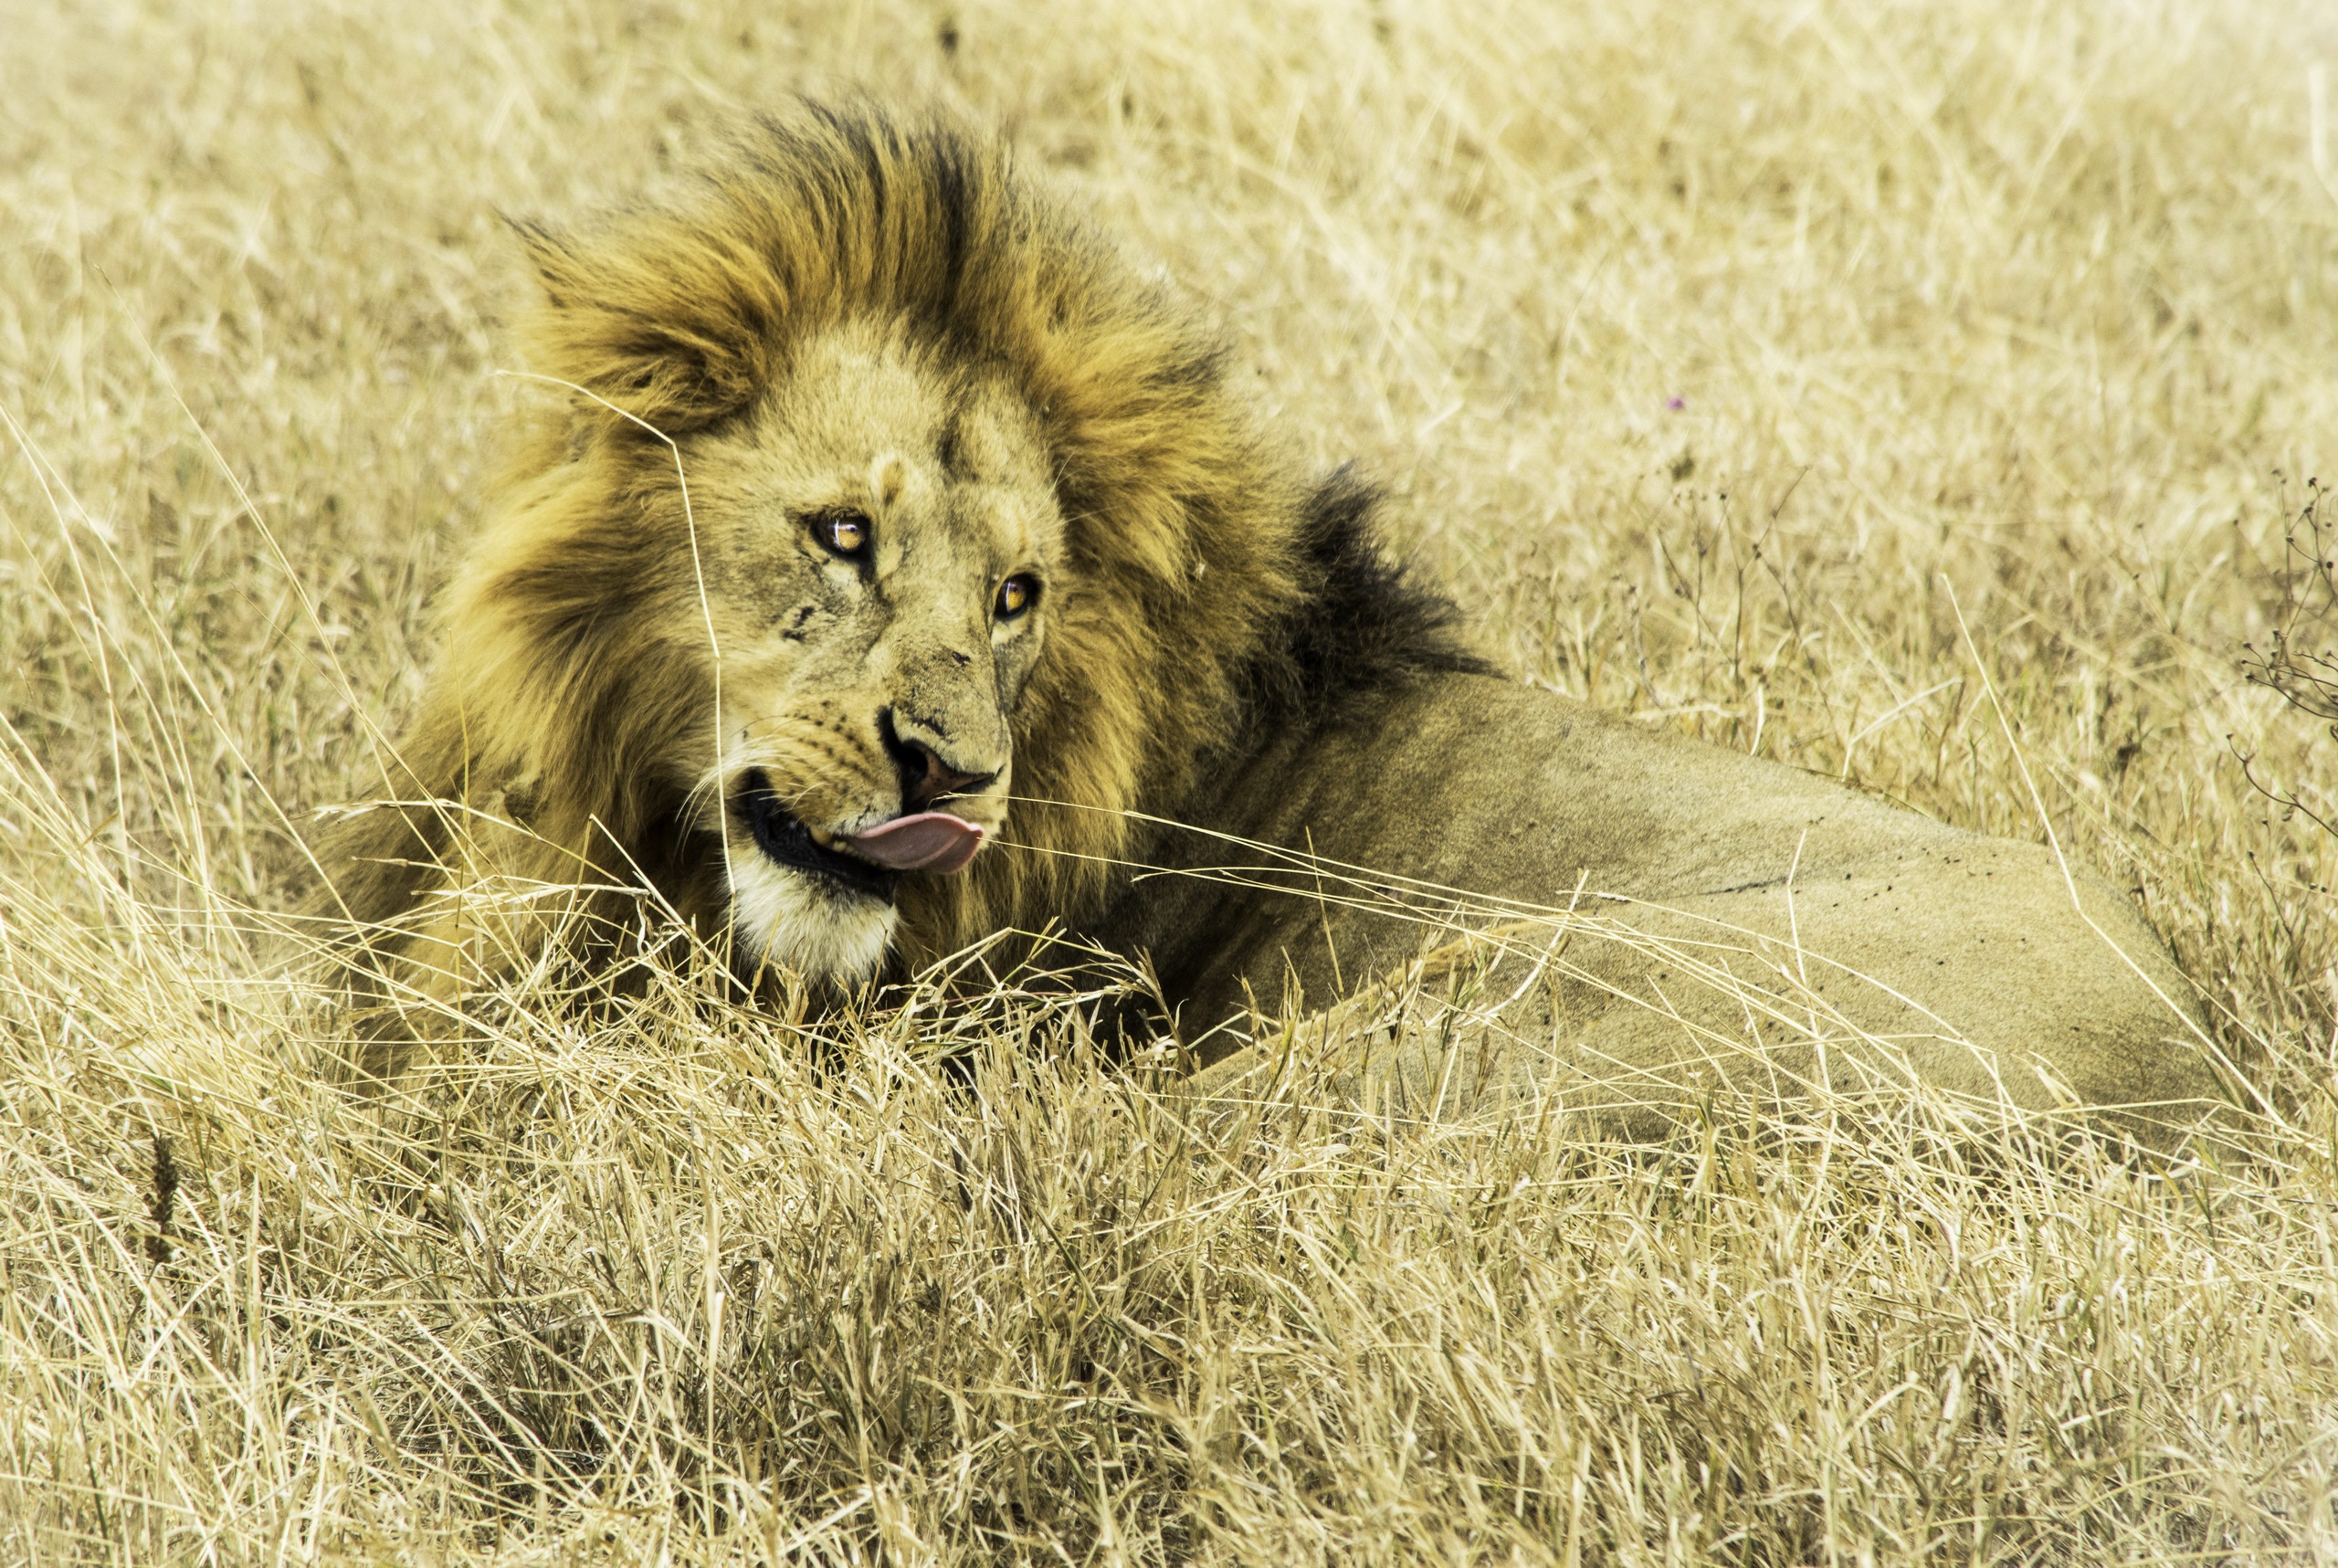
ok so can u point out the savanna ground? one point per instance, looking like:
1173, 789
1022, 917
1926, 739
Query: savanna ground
1723, 355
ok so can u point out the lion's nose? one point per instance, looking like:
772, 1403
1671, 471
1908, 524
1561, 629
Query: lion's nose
926, 776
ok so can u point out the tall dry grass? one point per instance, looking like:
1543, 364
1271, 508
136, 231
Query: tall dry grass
1719, 353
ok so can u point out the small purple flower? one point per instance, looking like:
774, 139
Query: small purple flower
1676, 404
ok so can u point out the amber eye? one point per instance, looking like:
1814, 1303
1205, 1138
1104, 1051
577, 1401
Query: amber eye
844, 533
1016, 595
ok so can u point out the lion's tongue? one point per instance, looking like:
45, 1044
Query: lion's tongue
930, 841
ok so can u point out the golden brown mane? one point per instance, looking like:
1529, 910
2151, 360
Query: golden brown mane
1192, 554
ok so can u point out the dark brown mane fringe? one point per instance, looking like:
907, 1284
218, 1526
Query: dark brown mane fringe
1363, 624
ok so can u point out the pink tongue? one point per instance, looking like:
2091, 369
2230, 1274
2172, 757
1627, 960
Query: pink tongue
930, 841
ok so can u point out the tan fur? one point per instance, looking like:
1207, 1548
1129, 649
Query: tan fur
853, 314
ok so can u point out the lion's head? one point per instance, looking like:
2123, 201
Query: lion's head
881, 534
886, 513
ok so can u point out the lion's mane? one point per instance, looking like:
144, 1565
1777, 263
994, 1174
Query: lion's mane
1213, 596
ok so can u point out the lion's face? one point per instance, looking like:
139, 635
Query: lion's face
879, 545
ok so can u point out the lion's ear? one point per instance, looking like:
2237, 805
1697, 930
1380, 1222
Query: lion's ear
679, 328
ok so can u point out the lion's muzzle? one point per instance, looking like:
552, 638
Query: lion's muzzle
786, 838
926, 776
867, 863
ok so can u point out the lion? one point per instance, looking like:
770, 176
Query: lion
897, 567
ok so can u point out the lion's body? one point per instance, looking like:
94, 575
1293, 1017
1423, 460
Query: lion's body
1802, 933
976, 549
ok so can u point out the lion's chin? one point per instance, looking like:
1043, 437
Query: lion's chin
804, 921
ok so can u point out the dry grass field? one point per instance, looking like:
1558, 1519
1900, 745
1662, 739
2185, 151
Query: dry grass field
1921, 394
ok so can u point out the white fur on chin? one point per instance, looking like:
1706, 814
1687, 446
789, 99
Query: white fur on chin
792, 920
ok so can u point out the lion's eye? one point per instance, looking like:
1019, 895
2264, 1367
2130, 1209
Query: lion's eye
1016, 595
844, 533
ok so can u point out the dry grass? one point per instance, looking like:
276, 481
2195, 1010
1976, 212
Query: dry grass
1709, 347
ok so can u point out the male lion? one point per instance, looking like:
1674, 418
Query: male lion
899, 569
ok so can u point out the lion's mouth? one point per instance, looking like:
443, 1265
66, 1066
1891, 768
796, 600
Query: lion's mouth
788, 839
